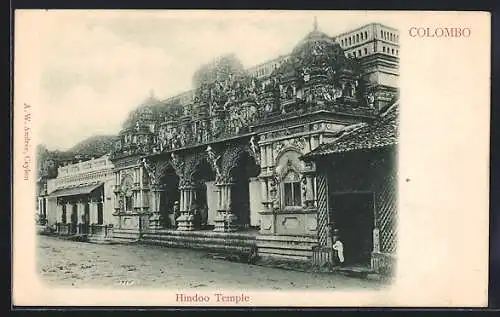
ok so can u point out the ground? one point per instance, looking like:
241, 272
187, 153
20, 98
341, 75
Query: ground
82, 264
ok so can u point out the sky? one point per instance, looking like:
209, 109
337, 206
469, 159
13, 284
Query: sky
97, 66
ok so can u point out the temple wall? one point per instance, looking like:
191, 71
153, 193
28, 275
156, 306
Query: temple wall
255, 201
211, 202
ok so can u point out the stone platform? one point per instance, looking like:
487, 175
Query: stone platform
242, 242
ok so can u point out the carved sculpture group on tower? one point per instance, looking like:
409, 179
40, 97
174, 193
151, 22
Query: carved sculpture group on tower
228, 102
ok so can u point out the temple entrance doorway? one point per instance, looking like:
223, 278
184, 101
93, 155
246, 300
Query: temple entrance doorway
203, 176
242, 192
170, 195
353, 214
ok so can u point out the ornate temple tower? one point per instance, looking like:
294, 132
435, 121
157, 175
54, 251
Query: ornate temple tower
319, 91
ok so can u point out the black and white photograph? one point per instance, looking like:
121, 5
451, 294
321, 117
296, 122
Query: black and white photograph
213, 154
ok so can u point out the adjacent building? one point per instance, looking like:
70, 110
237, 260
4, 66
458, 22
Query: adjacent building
80, 199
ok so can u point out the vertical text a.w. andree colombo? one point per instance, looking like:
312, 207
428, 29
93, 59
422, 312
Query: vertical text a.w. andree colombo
27, 141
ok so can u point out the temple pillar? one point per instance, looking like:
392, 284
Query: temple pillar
93, 212
80, 209
154, 219
225, 220
141, 193
69, 212
59, 212
263, 193
185, 222
324, 223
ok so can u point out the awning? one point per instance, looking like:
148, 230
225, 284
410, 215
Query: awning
73, 191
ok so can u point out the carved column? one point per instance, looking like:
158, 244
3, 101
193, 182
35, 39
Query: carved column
225, 220
141, 193
80, 209
185, 222
376, 240
154, 219
59, 211
323, 217
263, 193
69, 212
94, 219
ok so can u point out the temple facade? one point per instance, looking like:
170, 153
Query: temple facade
80, 199
228, 156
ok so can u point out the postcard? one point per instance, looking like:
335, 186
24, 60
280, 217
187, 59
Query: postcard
251, 158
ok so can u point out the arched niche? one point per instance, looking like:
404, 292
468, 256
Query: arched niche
126, 194
289, 174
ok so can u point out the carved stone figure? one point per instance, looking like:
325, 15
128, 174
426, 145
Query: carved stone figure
177, 164
370, 100
303, 184
214, 161
273, 191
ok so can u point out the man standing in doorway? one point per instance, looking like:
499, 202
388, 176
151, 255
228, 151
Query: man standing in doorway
338, 247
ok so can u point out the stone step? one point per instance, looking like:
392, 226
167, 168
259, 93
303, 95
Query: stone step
285, 252
289, 248
194, 239
285, 246
290, 239
124, 240
206, 234
285, 257
197, 245
125, 236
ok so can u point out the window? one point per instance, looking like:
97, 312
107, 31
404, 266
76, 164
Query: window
349, 41
366, 35
381, 34
383, 49
128, 203
366, 51
292, 194
357, 38
359, 52
392, 51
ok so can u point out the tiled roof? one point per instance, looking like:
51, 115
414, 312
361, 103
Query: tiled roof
77, 190
382, 132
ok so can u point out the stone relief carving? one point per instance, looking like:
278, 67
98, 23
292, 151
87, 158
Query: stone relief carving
274, 192
255, 149
230, 160
191, 162
214, 160
277, 147
303, 185
177, 164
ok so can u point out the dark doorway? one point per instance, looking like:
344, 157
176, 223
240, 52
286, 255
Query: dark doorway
245, 169
170, 194
353, 215
203, 174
